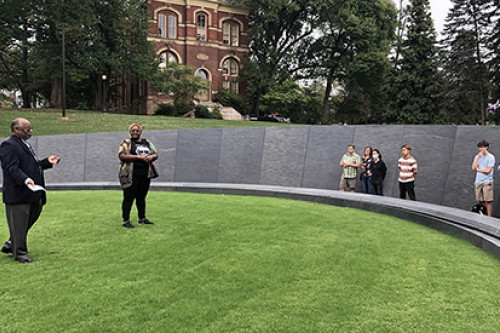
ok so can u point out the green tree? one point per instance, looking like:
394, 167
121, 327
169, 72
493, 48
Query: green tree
352, 47
416, 86
277, 29
17, 21
179, 81
494, 64
102, 37
467, 30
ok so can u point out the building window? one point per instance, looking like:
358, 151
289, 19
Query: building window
230, 67
172, 26
167, 58
201, 27
202, 73
230, 34
235, 34
171, 30
162, 26
233, 86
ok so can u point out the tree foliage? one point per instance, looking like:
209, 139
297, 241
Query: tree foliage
464, 54
179, 81
102, 37
415, 86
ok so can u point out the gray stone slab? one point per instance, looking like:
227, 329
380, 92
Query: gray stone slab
241, 155
432, 146
198, 155
284, 156
460, 186
387, 139
71, 150
102, 161
166, 146
325, 148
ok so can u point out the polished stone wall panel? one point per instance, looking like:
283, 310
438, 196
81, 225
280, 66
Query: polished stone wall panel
166, 146
241, 155
72, 151
284, 155
325, 148
387, 139
432, 147
460, 181
197, 158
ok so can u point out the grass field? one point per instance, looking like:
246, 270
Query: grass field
49, 122
218, 263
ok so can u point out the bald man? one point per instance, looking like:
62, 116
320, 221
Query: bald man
22, 170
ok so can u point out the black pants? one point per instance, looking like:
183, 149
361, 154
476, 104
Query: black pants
378, 187
21, 218
138, 192
407, 187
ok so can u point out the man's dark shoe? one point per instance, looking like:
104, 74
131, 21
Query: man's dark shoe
7, 247
145, 221
127, 224
24, 259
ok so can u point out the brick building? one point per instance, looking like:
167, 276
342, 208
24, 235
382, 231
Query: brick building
210, 35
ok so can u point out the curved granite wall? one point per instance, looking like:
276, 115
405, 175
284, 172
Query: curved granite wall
302, 156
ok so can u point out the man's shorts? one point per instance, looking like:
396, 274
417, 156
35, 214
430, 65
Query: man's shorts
347, 183
484, 192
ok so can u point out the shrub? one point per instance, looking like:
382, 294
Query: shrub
201, 111
227, 98
165, 109
183, 107
217, 115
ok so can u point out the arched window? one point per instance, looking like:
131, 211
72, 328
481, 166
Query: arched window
167, 58
202, 73
230, 67
230, 33
203, 95
201, 27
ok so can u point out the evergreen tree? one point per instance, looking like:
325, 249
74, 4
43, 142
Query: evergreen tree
494, 46
467, 31
415, 89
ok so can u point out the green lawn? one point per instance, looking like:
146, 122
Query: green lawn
219, 263
49, 122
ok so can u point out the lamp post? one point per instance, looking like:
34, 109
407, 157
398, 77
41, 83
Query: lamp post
104, 77
63, 73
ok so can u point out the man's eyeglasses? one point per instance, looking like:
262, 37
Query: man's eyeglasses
26, 129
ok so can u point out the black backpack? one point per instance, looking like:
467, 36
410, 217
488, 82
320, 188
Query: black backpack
479, 208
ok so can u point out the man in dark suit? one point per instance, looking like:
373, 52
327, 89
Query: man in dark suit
22, 170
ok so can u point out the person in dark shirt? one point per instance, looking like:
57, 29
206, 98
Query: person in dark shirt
136, 156
378, 173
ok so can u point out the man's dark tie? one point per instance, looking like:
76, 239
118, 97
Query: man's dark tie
32, 151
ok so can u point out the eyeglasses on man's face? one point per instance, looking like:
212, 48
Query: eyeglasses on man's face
26, 128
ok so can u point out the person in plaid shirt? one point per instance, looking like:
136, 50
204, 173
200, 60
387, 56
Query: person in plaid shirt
350, 163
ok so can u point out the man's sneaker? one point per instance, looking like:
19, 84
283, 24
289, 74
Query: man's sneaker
127, 224
145, 221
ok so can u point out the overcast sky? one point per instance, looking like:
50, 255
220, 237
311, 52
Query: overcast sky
439, 9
